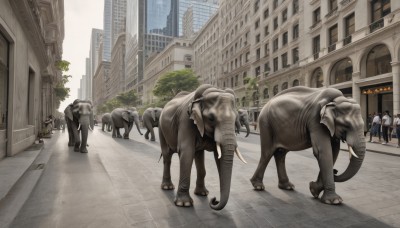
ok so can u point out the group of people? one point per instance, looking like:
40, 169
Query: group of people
54, 122
386, 125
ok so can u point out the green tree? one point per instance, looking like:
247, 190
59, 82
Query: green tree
112, 104
60, 91
127, 99
251, 87
174, 82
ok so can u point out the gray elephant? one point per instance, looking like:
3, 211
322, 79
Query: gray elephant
79, 118
191, 123
299, 118
151, 117
242, 119
124, 118
106, 122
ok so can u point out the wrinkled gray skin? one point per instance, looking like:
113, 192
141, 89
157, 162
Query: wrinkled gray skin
151, 117
124, 118
191, 123
106, 122
80, 112
299, 118
242, 119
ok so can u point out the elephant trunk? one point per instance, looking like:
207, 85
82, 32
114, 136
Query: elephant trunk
246, 124
138, 125
355, 163
84, 121
225, 171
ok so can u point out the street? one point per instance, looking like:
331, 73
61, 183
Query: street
117, 184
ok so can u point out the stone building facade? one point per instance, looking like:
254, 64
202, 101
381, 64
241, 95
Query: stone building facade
31, 37
117, 71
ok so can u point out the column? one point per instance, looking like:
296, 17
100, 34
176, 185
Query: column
396, 87
307, 80
356, 89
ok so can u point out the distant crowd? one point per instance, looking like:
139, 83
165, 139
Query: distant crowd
384, 127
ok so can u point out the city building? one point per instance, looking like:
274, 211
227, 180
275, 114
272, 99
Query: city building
94, 53
31, 39
118, 19
101, 90
82, 92
193, 14
107, 30
177, 55
117, 72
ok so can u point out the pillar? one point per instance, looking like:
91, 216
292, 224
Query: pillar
396, 87
356, 89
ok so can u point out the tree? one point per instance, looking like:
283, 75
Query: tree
60, 91
251, 87
127, 99
174, 82
112, 104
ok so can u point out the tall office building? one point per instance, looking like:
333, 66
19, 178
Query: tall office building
95, 41
107, 27
150, 26
117, 20
193, 15
88, 80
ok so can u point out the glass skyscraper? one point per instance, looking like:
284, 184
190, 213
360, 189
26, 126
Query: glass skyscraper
107, 30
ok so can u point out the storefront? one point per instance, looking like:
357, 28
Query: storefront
379, 98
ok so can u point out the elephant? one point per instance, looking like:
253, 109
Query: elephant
191, 123
151, 117
79, 118
242, 119
124, 118
300, 118
106, 122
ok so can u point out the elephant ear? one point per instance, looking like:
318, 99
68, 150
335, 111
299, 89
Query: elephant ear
195, 114
68, 113
328, 117
125, 116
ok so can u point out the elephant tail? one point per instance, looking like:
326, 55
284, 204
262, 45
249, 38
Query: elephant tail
160, 158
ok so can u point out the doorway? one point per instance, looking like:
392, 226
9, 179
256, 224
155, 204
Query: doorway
4, 65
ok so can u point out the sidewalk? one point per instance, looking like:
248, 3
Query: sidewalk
375, 146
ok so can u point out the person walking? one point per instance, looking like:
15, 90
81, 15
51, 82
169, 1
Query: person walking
396, 125
386, 122
375, 127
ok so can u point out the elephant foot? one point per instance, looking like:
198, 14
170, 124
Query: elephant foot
201, 191
152, 139
146, 136
126, 137
331, 198
118, 136
71, 144
76, 149
84, 150
183, 199
258, 185
167, 185
286, 186
316, 189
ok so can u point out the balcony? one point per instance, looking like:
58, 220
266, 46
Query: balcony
376, 25
315, 25
332, 48
347, 40
332, 12
316, 55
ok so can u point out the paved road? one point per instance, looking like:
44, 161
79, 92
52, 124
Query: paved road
117, 184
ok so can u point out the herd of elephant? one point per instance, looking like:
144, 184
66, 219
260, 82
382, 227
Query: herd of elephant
207, 119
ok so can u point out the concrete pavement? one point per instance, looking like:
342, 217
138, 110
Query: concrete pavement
117, 184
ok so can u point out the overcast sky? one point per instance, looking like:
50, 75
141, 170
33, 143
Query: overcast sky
80, 17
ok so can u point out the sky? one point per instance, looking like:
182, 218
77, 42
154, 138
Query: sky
80, 16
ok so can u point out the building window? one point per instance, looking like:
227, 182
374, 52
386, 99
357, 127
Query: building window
276, 64
316, 16
379, 8
247, 56
295, 54
275, 44
188, 57
265, 93
266, 49
296, 83
276, 90
332, 5
284, 86
349, 28
295, 31
317, 79
258, 53
244, 102
284, 38
256, 5
4, 64
342, 71
257, 71
236, 80
275, 4
378, 61
266, 31
284, 16
258, 38
257, 24
266, 69
316, 47
275, 23
333, 38
295, 6
284, 60
266, 13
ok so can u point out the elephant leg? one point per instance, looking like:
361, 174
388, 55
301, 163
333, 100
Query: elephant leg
323, 151
127, 130
284, 182
84, 132
267, 150
186, 156
201, 174
146, 135
77, 138
118, 133
317, 187
167, 155
102, 126
153, 138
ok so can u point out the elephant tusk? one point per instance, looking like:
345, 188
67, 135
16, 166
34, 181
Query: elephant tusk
240, 155
79, 127
219, 150
351, 152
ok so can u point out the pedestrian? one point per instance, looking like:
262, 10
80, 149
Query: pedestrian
386, 123
375, 127
396, 125
49, 124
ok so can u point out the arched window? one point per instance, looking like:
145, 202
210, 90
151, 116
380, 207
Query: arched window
296, 83
342, 71
265, 93
378, 61
276, 90
317, 79
284, 86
